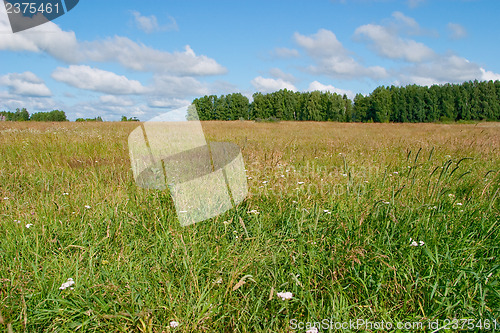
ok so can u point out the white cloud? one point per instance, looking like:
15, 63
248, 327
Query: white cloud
168, 103
25, 84
140, 57
149, 24
387, 44
62, 45
47, 38
445, 69
267, 85
94, 79
115, 100
406, 20
456, 31
279, 74
332, 58
177, 86
315, 85
10, 102
283, 52
489, 75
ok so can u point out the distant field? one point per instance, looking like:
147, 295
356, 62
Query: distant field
373, 222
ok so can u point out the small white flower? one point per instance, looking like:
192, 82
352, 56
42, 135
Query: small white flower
87, 206
249, 177
226, 222
344, 174
17, 221
366, 181
218, 281
312, 330
396, 173
300, 183
264, 182
253, 211
282, 176
414, 243
174, 324
459, 204
65, 193
386, 202
285, 295
451, 195
6, 198
67, 284
29, 225
421, 243
294, 201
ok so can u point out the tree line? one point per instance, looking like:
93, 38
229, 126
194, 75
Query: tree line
472, 100
23, 115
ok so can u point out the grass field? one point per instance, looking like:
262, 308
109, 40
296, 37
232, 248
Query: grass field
333, 215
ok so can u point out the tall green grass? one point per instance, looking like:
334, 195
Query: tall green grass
332, 224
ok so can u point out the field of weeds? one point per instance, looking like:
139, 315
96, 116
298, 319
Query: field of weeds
366, 223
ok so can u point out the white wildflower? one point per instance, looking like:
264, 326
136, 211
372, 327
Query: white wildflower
6, 198
65, 193
174, 324
413, 243
312, 330
344, 174
451, 195
421, 243
253, 211
67, 284
285, 295
459, 204
87, 206
265, 182
386, 202
396, 173
300, 183
29, 225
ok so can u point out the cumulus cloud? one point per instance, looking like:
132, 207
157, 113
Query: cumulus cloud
63, 45
279, 74
489, 75
267, 85
315, 85
47, 38
116, 100
94, 79
387, 44
149, 24
140, 57
176, 86
456, 31
445, 69
25, 84
332, 58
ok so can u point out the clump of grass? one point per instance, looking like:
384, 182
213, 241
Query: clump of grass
329, 218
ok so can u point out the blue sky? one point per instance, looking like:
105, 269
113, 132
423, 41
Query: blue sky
143, 58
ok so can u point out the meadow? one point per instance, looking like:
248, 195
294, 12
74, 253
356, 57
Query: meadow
383, 223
